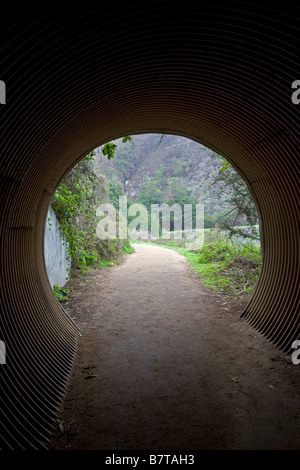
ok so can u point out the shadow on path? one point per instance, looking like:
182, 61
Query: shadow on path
164, 363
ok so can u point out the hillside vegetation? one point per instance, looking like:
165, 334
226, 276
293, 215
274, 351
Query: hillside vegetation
164, 169
152, 168
167, 169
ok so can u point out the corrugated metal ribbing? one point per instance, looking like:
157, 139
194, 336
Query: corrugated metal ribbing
79, 74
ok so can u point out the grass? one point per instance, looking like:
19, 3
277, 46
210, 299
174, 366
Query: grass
127, 249
225, 266
103, 263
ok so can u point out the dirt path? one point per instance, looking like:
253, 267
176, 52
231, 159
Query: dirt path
164, 363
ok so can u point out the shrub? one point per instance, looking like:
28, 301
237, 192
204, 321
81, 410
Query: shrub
60, 293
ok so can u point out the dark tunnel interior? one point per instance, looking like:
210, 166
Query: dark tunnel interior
78, 75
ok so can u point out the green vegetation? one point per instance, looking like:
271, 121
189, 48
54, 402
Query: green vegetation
230, 260
225, 266
74, 203
60, 293
109, 149
158, 190
181, 173
229, 267
241, 217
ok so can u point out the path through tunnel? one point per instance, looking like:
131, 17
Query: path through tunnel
82, 76
164, 362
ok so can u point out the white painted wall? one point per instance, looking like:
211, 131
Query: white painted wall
55, 252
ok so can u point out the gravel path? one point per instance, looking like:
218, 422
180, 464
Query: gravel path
165, 363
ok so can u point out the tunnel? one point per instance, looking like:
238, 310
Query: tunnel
80, 74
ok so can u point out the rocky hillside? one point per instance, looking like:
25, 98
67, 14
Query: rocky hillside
177, 157
155, 169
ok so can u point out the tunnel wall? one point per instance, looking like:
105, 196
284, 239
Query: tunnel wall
80, 74
55, 252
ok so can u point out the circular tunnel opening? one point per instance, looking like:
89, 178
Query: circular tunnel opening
221, 76
160, 166
171, 191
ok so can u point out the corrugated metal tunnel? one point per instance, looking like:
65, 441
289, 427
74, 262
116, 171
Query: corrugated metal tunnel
80, 74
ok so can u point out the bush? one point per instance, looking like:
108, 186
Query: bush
222, 251
216, 252
231, 268
60, 293
74, 203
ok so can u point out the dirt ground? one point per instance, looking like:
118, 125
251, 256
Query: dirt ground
166, 363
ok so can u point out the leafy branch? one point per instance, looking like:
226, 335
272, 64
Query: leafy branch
109, 149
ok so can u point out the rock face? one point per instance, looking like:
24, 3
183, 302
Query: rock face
155, 168
55, 252
176, 156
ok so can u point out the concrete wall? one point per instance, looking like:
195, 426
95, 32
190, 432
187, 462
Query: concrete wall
55, 252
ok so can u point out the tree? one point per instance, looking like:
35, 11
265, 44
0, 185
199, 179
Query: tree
109, 149
241, 218
75, 203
